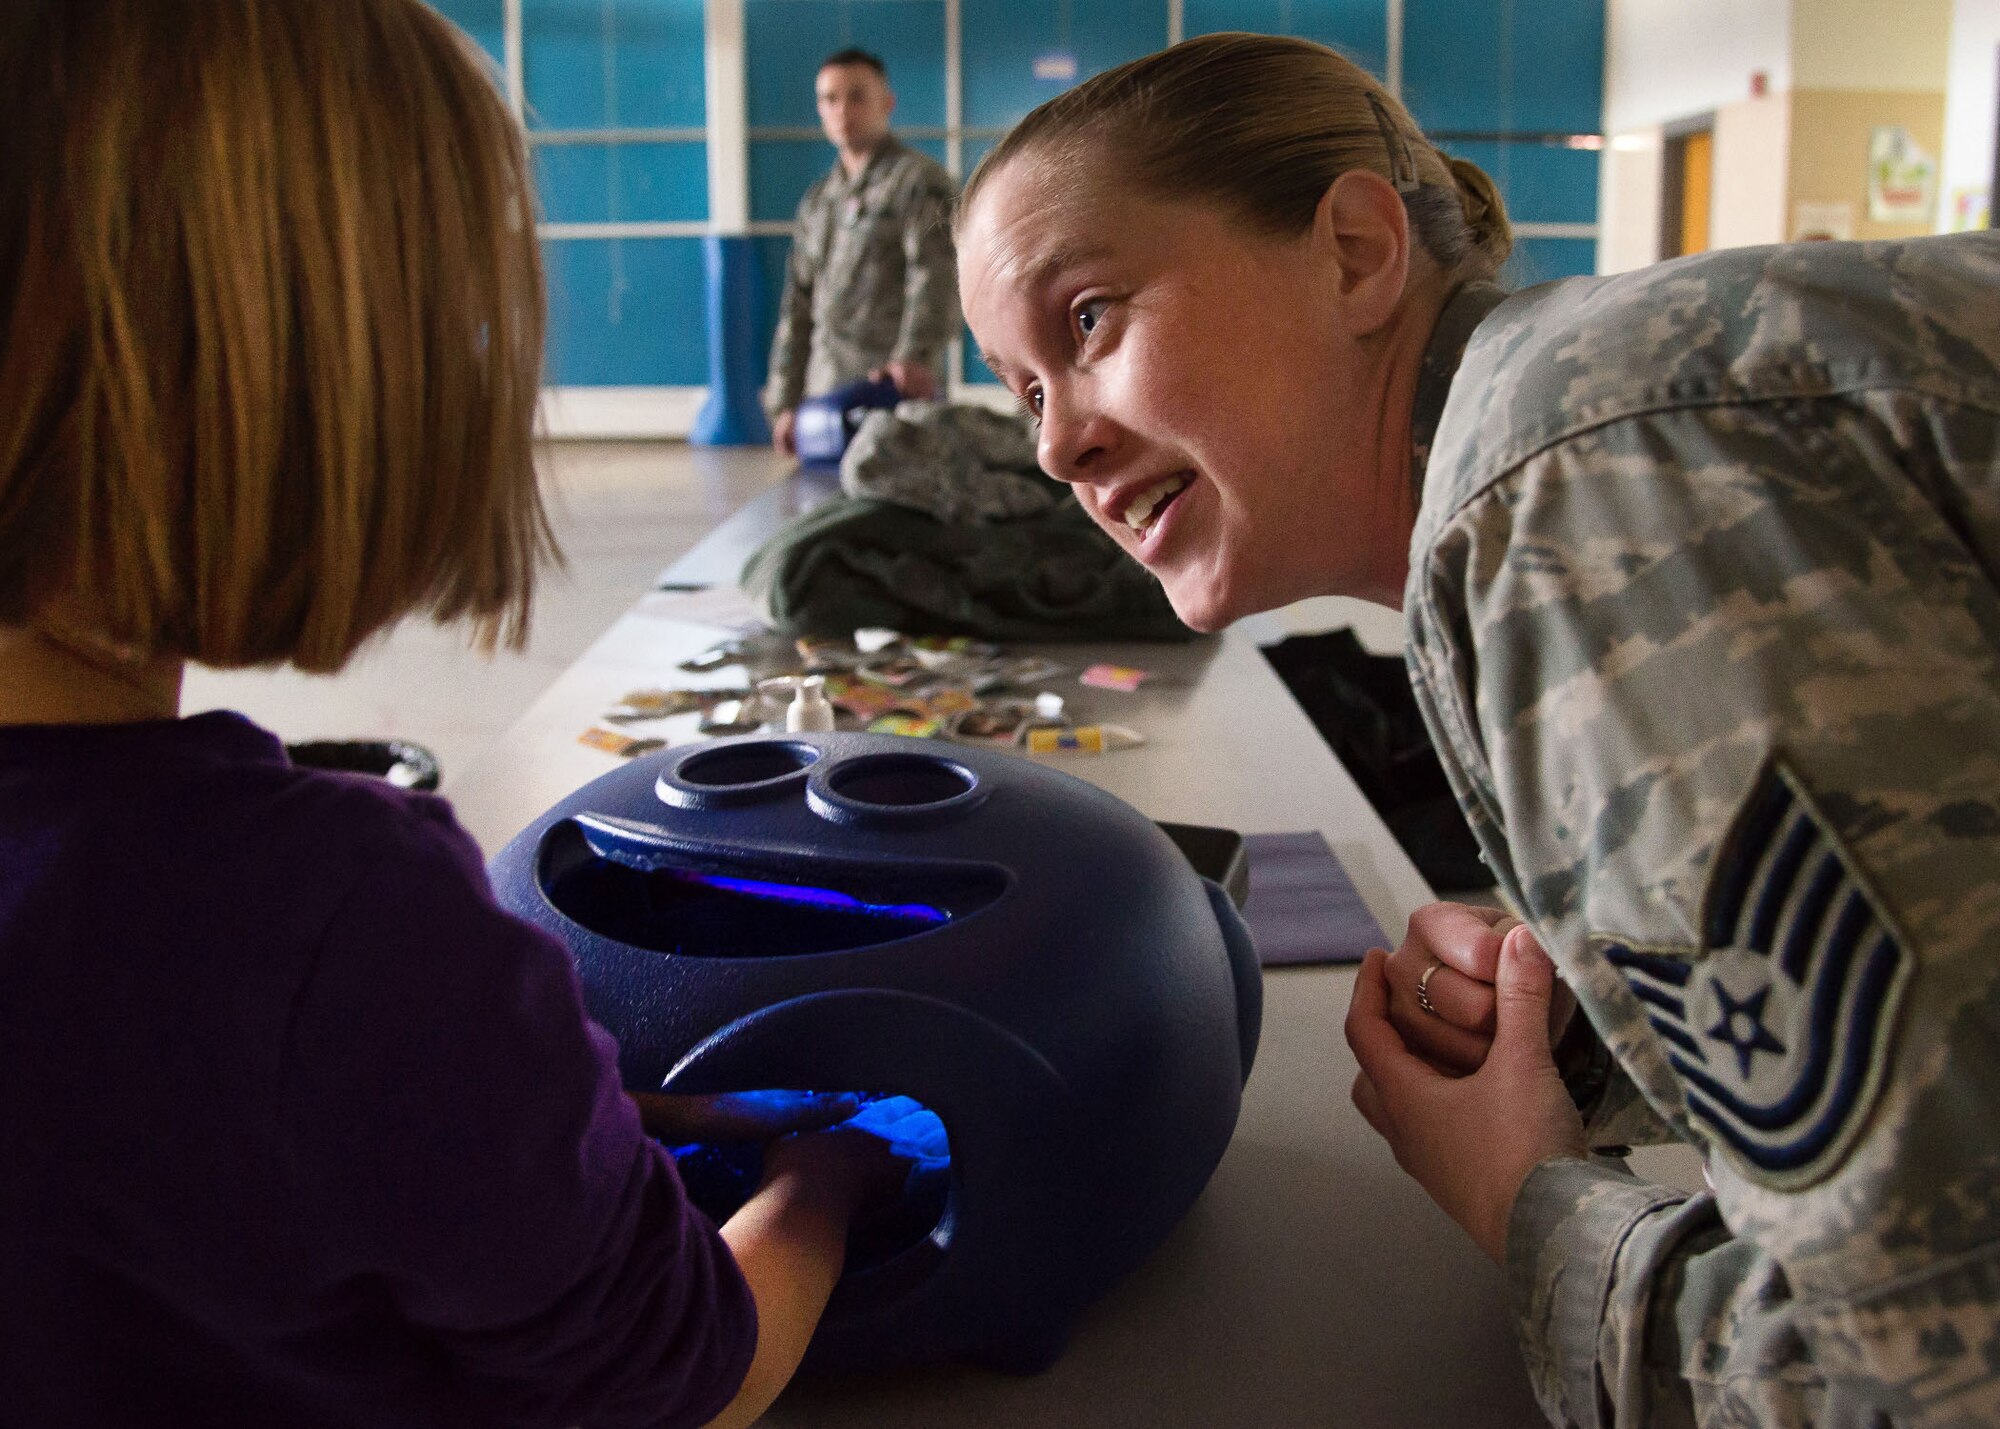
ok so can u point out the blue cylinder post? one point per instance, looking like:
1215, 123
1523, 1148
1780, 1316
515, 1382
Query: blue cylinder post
732, 416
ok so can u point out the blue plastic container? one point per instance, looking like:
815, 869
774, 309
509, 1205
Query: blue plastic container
824, 425
1017, 950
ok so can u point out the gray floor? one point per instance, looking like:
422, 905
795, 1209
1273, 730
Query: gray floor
621, 511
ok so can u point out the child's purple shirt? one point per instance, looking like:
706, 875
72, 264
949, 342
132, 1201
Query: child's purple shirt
298, 1127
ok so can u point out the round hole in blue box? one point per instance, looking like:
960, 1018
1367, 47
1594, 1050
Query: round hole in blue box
734, 772
893, 789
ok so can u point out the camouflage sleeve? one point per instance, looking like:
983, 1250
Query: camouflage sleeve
791, 344
930, 281
1444, 677
1725, 688
1614, 1113
1574, 1222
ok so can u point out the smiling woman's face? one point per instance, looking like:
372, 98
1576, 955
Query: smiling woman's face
1188, 374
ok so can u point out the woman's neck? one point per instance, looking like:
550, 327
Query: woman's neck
49, 677
1393, 507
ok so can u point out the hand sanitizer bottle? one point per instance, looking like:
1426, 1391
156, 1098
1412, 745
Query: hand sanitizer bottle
809, 709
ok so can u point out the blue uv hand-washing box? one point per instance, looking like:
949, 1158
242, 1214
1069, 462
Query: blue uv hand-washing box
1018, 951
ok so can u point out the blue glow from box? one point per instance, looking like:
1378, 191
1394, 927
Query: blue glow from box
721, 1177
819, 897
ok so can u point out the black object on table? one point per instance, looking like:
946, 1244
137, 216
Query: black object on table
1217, 855
406, 765
1364, 709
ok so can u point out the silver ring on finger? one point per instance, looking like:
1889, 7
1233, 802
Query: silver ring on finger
1424, 988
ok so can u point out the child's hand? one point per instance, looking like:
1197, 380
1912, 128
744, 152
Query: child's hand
887, 1144
853, 1173
912, 1131
740, 1116
790, 1241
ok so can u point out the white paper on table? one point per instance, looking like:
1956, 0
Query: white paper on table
726, 607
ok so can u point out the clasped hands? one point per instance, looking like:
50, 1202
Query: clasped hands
1467, 1095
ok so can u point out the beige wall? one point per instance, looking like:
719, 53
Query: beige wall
1628, 201
1831, 130
1747, 200
1858, 64
1870, 44
1847, 66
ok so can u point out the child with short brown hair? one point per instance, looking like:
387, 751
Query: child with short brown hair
300, 1127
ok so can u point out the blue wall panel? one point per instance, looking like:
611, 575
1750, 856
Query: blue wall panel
627, 312
781, 170
1540, 183
1002, 38
1558, 65
1465, 67
975, 369
1359, 29
484, 20
786, 39
971, 369
614, 63
1538, 260
771, 255
631, 312
622, 183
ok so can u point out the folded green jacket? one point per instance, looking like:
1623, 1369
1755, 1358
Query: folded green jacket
1053, 576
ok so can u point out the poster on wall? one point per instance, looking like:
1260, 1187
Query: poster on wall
1970, 210
1902, 178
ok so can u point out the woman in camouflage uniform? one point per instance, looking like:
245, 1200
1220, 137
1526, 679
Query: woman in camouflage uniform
1699, 570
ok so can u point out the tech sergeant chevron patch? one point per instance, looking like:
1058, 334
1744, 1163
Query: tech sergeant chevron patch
1780, 1025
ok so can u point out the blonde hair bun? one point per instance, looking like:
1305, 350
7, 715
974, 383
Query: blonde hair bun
1485, 212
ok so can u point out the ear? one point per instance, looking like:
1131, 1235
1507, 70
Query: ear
1364, 231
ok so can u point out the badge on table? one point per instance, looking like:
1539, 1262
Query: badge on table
1084, 739
1114, 677
909, 726
1779, 1024
662, 704
624, 745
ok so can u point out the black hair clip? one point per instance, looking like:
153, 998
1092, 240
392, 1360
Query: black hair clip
1402, 163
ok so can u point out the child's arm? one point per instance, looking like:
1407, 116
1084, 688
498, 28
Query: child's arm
790, 1240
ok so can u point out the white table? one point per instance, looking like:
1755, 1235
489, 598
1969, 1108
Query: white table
1313, 1284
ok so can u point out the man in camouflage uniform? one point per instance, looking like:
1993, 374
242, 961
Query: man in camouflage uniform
872, 284
1703, 615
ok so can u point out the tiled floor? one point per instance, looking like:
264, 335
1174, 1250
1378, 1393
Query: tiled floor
622, 511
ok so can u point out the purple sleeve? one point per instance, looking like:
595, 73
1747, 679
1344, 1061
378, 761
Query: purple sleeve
460, 1143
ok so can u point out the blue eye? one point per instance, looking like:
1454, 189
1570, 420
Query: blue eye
1030, 402
1089, 315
